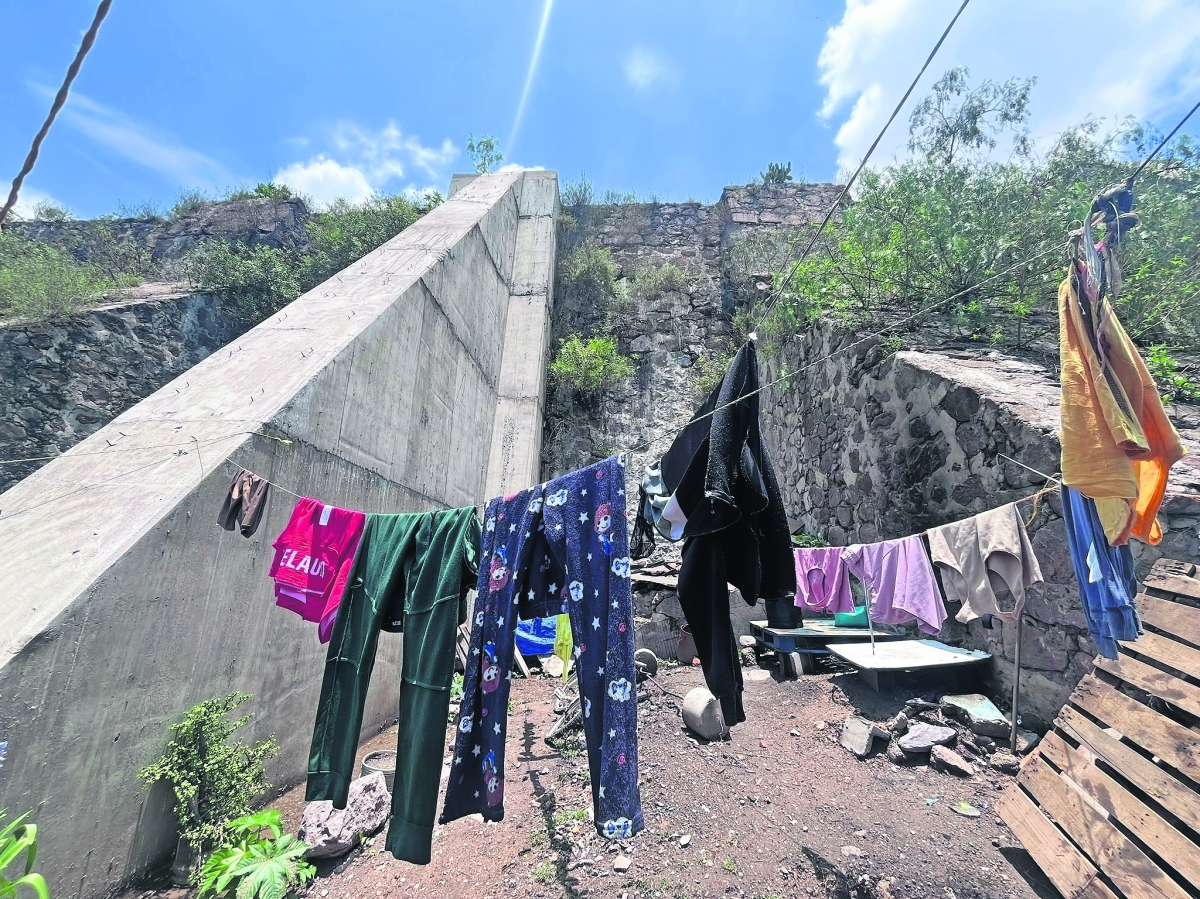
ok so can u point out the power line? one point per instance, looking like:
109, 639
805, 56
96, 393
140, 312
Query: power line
772, 300
1163, 142
60, 100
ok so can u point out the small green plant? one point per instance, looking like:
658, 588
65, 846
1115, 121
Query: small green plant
729, 865
456, 694
19, 841
777, 173
589, 366
214, 779
484, 153
189, 201
710, 371
544, 872
537, 838
806, 541
578, 193
250, 867
262, 190
1172, 382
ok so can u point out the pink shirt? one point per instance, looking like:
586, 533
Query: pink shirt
900, 582
312, 561
822, 581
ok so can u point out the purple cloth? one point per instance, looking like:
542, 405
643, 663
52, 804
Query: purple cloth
822, 581
900, 582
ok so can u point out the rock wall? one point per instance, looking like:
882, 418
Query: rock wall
266, 222
61, 381
872, 446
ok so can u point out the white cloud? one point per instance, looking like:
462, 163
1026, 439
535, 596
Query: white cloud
140, 142
1091, 57
517, 167
362, 161
324, 180
644, 68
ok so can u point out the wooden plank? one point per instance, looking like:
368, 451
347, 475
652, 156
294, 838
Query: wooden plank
1159, 683
1172, 742
1173, 617
904, 655
1165, 650
1173, 847
1110, 850
1162, 578
1066, 866
1158, 784
520, 660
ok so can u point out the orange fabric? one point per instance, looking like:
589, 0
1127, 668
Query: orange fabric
1117, 443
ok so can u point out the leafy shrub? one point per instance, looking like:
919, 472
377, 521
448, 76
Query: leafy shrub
578, 193
590, 275
250, 867
589, 366
51, 212
1173, 383
264, 189
256, 281
39, 281
346, 232
214, 779
189, 201
19, 840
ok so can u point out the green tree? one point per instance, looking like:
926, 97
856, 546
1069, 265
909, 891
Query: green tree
484, 152
979, 239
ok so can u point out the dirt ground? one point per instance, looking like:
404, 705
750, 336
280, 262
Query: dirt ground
779, 810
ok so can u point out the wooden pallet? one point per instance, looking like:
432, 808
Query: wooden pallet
1109, 804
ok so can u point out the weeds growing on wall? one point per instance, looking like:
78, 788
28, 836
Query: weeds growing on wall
214, 779
261, 191
589, 365
955, 213
189, 202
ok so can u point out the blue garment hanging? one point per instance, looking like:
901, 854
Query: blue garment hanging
1107, 583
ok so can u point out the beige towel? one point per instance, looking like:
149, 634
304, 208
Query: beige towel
984, 554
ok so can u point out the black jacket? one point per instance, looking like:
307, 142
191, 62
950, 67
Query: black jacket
722, 478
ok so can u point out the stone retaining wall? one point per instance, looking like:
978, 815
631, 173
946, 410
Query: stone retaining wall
61, 381
870, 446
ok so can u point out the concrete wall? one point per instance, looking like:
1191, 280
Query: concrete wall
870, 446
125, 604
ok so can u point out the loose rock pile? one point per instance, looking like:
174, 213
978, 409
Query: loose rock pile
958, 736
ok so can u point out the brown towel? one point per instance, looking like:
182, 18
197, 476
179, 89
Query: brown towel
981, 555
244, 504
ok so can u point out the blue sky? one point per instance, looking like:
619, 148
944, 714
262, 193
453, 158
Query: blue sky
660, 97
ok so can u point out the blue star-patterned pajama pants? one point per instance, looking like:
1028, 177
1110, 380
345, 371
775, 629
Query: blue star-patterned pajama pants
560, 544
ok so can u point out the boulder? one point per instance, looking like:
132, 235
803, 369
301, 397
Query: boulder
950, 762
922, 737
899, 724
331, 832
977, 712
858, 735
898, 756
1005, 762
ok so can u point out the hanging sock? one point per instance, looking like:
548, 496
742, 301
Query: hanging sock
982, 554
312, 561
422, 565
244, 504
564, 542
1105, 574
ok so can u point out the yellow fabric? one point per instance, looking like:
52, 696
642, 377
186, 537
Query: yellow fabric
1117, 443
563, 643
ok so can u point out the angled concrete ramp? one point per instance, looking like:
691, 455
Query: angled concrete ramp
411, 381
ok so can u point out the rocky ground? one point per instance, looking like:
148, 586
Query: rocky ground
781, 809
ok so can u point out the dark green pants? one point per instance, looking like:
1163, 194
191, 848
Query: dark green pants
421, 564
